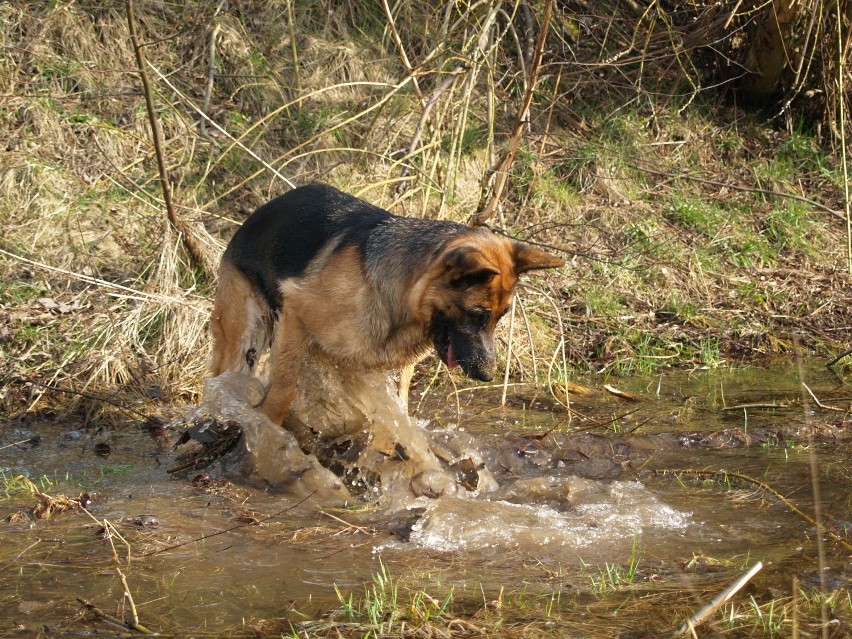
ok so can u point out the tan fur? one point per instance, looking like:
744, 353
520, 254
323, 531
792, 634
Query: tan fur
332, 311
239, 323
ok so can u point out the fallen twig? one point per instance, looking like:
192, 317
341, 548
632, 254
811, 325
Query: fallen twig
614, 420
110, 619
768, 406
763, 486
126, 291
255, 522
236, 141
819, 403
211, 76
702, 614
737, 187
838, 358
360, 529
22, 553
84, 395
135, 625
427, 108
19, 443
401, 48
612, 390
508, 354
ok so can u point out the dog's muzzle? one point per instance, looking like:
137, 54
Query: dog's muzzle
474, 353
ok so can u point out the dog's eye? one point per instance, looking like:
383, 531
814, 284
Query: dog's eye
474, 278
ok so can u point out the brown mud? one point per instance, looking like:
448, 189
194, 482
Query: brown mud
688, 480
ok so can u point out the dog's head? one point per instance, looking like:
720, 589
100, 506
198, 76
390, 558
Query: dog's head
469, 290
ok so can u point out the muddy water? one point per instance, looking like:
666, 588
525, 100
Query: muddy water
568, 496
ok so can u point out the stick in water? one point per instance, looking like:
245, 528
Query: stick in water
717, 601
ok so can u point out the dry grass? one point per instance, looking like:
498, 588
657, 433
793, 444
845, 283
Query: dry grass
412, 117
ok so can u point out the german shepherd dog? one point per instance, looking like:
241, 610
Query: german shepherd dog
317, 272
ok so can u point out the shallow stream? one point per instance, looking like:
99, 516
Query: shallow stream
571, 498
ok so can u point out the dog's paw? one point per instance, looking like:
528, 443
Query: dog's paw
432, 484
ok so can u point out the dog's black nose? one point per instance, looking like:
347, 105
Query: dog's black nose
482, 373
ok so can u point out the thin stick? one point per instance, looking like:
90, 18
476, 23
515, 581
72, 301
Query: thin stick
819, 403
478, 57
231, 529
717, 601
297, 80
101, 614
196, 253
794, 632
427, 389
360, 529
817, 493
23, 441
265, 164
559, 349
838, 358
487, 205
427, 108
751, 480
211, 78
737, 187
545, 135
455, 388
564, 357
402, 54
532, 340
841, 98
135, 625
756, 405
290, 152
550, 376
83, 394
508, 354
110, 532
132, 293
23, 552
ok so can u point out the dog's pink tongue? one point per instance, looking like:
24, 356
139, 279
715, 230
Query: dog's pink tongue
452, 362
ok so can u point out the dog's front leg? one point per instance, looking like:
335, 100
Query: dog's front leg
405, 376
288, 351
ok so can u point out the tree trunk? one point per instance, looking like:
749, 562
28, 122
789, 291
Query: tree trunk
769, 53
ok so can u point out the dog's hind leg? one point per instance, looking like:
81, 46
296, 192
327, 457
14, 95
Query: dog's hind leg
239, 324
288, 351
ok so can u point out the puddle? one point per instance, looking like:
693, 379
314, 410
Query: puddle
554, 499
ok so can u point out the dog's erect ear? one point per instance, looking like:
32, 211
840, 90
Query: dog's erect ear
530, 258
464, 268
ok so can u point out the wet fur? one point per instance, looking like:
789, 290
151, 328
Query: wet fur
318, 272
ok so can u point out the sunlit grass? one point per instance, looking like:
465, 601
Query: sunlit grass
385, 605
611, 577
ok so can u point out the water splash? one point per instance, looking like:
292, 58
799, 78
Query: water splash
268, 455
347, 436
579, 513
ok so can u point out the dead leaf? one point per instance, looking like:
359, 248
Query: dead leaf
48, 302
621, 394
